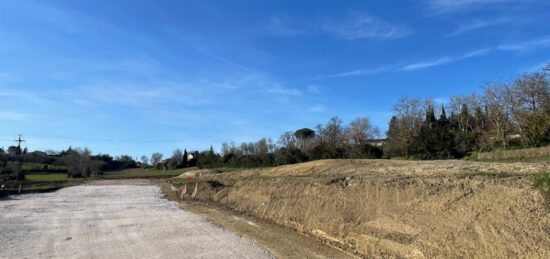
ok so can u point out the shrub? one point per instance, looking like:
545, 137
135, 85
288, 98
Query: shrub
541, 181
473, 156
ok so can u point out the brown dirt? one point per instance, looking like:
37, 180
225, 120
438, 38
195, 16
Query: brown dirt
385, 208
279, 241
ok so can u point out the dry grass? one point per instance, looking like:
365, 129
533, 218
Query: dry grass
382, 208
519, 154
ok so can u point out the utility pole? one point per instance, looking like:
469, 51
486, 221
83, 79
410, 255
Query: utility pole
18, 141
20, 172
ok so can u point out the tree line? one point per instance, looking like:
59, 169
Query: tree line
505, 115
76, 162
333, 140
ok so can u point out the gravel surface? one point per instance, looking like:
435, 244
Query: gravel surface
112, 221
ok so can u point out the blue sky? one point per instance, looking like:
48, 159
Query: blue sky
135, 77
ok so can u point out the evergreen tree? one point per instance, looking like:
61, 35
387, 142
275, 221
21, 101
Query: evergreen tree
185, 160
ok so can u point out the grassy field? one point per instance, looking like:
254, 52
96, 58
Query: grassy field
43, 181
39, 166
46, 177
540, 154
142, 173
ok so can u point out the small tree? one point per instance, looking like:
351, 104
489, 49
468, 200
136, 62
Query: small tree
144, 161
156, 158
303, 136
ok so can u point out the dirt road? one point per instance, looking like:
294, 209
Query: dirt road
112, 221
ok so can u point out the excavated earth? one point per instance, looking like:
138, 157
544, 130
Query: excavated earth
396, 209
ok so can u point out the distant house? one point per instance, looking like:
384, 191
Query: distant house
190, 157
377, 142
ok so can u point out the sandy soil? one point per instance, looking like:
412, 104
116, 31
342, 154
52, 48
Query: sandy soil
396, 209
280, 241
112, 221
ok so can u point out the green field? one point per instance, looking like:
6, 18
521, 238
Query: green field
142, 173
46, 177
39, 166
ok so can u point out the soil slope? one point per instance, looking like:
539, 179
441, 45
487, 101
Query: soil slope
384, 208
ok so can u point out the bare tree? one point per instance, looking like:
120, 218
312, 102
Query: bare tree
410, 112
144, 160
496, 100
532, 96
262, 147
360, 131
79, 163
230, 148
333, 132
288, 140
156, 158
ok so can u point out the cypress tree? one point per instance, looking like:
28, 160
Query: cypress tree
185, 162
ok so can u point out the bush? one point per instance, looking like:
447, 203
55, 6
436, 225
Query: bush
541, 181
473, 156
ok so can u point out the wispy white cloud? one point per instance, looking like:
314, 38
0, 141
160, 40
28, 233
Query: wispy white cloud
25, 97
479, 24
283, 91
314, 89
444, 60
189, 93
12, 116
222, 59
526, 45
8, 77
354, 26
317, 108
284, 25
434, 62
63, 19
445, 6
364, 26
363, 72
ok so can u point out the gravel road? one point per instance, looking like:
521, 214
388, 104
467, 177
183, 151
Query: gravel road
111, 221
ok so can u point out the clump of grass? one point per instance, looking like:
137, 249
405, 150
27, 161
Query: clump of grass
473, 156
541, 181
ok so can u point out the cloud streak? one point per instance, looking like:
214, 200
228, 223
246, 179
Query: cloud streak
447, 6
363, 26
355, 26
478, 25
444, 60
526, 45
517, 47
12, 116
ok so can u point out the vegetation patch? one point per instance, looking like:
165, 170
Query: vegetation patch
541, 182
215, 185
46, 177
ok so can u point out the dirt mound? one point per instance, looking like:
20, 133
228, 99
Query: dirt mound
192, 174
383, 208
